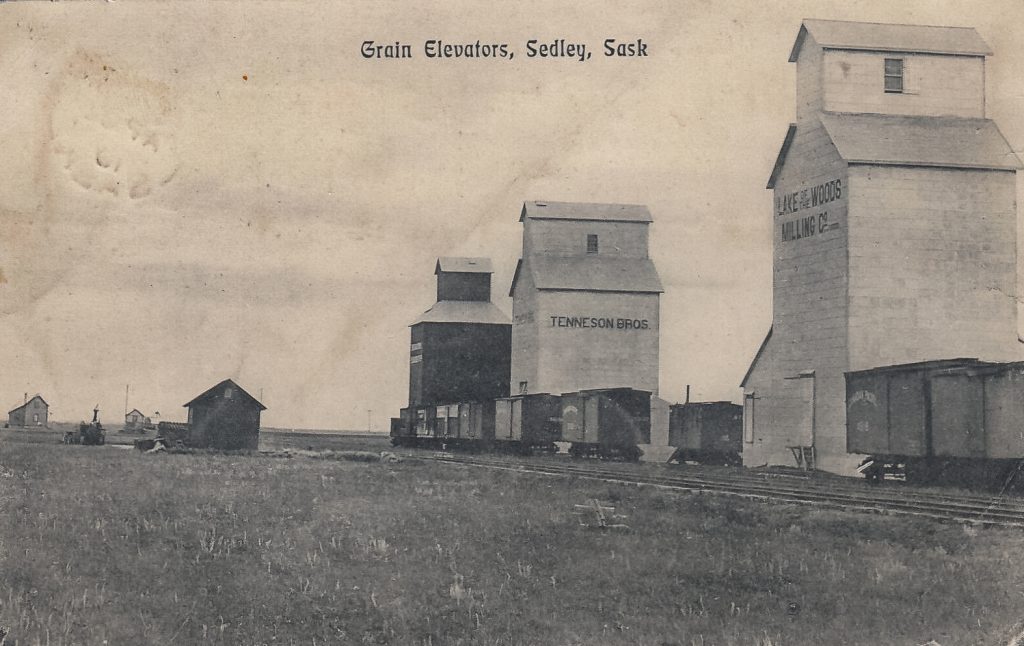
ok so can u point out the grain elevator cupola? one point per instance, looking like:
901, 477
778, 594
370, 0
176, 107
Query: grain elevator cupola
585, 299
463, 279
460, 347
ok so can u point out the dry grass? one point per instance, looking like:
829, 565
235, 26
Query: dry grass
101, 545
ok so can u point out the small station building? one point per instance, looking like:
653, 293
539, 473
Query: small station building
459, 348
585, 300
894, 229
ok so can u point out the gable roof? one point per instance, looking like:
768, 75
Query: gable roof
449, 264
136, 410
585, 211
884, 37
212, 392
484, 312
948, 142
592, 273
31, 399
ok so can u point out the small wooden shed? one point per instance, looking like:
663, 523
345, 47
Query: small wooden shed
225, 417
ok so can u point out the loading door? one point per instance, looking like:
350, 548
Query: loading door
748, 417
517, 419
801, 404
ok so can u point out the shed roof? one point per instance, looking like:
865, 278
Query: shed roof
757, 356
585, 211
212, 392
464, 312
920, 141
592, 273
898, 140
32, 399
883, 37
450, 264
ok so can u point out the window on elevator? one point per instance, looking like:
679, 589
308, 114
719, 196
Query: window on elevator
894, 75
591, 243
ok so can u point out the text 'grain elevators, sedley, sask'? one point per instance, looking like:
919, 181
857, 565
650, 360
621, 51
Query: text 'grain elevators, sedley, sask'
559, 48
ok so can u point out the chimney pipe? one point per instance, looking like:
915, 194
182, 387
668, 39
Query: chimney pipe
687, 393
26, 399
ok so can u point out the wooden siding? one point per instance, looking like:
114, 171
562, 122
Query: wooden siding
463, 286
460, 362
933, 269
933, 85
577, 358
227, 424
569, 237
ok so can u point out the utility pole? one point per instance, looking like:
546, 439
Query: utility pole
369, 418
126, 400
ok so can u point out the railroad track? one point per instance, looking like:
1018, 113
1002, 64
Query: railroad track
976, 510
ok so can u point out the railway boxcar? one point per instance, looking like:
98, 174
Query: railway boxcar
446, 422
606, 422
707, 432
527, 422
416, 428
466, 424
955, 421
476, 424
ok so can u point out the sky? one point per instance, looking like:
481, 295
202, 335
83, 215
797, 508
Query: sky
197, 191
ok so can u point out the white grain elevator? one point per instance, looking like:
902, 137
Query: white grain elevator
894, 228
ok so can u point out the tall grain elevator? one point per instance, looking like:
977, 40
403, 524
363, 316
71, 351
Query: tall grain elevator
460, 347
585, 299
894, 228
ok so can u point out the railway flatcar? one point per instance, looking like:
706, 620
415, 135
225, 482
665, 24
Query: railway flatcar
706, 432
955, 421
606, 423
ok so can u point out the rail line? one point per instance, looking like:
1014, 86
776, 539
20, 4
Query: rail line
970, 509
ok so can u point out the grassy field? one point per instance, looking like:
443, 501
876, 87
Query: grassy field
100, 545
270, 439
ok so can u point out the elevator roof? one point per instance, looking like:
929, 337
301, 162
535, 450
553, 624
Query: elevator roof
542, 210
879, 37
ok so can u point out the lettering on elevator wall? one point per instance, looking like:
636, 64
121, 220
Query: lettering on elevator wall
806, 227
808, 198
602, 322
